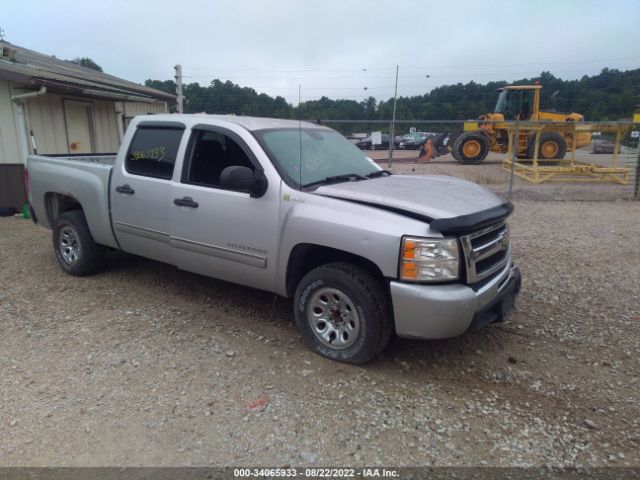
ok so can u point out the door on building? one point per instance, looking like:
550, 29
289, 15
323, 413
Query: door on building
79, 120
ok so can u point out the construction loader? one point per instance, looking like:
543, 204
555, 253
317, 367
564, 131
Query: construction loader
491, 131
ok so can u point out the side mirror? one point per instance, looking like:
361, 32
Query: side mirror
243, 179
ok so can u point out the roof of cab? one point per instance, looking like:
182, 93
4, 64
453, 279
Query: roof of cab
250, 123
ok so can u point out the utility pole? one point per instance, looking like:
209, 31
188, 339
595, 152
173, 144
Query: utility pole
179, 87
393, 123
1, 34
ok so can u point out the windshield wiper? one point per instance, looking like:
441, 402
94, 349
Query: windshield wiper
378, 173
347, 177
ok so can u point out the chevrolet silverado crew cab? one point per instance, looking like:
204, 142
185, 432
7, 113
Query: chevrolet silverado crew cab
292, 208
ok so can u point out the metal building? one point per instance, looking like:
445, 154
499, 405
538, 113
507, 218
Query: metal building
54, 106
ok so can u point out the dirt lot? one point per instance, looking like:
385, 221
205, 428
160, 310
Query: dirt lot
147, 365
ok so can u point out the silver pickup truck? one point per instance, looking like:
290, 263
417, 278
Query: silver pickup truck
292, 208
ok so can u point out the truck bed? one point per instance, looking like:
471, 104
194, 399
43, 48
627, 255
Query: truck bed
81, 178
102, 158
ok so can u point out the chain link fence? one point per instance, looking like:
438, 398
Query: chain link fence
603, 167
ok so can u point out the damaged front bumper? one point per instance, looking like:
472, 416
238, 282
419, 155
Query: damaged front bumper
443, 311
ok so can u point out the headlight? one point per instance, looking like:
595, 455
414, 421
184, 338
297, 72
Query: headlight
429, 260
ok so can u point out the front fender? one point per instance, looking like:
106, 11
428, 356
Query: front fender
361, 230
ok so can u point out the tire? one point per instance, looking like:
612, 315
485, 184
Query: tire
453, 137
556, 143
76, 251
351, 296
471, 148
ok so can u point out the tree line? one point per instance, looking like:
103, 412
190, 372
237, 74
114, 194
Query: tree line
610, 95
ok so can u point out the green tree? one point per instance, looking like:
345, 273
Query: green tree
87, 62
610, 95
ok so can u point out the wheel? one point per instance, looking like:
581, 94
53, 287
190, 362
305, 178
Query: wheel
77, 253
343, 313
471, 147
553, 146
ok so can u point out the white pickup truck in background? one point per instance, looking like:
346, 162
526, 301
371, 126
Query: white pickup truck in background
291, 208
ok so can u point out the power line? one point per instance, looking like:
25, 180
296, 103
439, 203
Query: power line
353, 69
595, 60
373, 78
429, 66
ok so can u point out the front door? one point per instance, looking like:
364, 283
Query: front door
223, 233
140, 190
79, 119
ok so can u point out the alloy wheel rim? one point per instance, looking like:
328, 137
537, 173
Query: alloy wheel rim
333, 318
69, 245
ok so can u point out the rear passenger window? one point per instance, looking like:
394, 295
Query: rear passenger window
153, 152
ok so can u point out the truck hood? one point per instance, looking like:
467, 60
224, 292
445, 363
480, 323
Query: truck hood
428, 197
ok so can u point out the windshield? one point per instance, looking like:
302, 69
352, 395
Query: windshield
310, 155
501, 105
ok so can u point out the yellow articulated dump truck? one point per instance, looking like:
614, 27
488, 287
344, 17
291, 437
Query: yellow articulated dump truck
519, 103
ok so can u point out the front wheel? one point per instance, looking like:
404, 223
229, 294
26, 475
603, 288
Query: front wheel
471, 148
343, 313
76, 251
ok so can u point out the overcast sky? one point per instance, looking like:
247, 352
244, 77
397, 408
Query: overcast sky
326, 45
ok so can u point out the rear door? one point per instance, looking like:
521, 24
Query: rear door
140, 190
223, 233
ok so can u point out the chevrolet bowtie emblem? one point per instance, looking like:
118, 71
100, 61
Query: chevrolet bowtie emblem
505, 239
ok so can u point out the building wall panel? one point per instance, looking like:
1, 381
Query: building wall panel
106, 126
131, 109
9, 146
45, 115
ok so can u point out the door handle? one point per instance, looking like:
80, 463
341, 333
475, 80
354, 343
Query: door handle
126, 189
185, 202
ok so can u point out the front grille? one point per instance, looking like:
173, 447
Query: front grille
487, 263
486, 251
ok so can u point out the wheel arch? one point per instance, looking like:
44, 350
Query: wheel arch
59, 203
304, 257
97, 217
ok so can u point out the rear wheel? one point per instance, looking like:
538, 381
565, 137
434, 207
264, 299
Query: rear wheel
471, 148
343, 313
76, 251
553, 146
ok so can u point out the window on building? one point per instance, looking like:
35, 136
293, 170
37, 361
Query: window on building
153, 152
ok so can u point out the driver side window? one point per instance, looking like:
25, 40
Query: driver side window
212, 152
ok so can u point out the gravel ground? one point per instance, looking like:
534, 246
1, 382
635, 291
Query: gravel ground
146, 365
